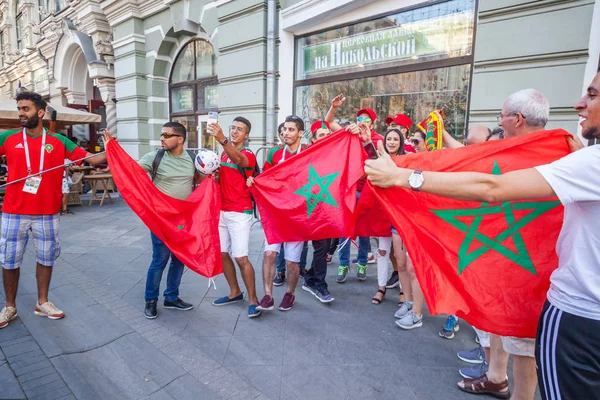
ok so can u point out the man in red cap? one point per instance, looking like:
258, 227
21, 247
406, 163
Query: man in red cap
319, 130
403, 124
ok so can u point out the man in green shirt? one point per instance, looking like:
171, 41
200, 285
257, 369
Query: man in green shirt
174, 176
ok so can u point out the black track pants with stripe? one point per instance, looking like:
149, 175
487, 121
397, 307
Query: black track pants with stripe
567, 356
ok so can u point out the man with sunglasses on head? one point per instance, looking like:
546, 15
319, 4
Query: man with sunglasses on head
173, 173
293, 129
238, 163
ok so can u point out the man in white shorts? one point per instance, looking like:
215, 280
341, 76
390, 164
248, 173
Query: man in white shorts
293, 129
238, 163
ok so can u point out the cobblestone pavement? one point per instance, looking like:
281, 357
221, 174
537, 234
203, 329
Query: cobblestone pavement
105, 349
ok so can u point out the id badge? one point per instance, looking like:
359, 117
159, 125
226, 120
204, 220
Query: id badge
32, 184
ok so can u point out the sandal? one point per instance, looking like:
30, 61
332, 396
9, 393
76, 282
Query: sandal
375, 300
482, 385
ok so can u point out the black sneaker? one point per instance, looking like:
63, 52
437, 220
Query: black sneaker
178, 305
393, 281
279, 279
150, 311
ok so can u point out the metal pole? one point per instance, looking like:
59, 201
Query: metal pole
50, 169
271, 118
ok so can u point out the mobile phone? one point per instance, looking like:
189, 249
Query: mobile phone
213, 117
371, 152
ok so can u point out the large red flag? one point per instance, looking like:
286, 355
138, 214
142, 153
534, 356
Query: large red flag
312, 195
369, 218
487, 263
189, 228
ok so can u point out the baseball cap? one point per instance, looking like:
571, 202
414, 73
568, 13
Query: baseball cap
318, 125
400, 119
371, 113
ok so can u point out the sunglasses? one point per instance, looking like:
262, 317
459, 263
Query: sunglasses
169, 135
364, 119
416, 141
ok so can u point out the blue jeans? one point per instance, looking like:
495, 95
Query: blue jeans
363, 251
280, 260
364, 246
160, 258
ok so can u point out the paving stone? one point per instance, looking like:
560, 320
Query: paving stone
14, 341
9, 386
128, 368
20, 348
28, 360
55, 394
25, 369
26, 357
228, 386
83, 328
39, 373
266, 350
249, 393
266, 379
186, 388
41, 381
47, 389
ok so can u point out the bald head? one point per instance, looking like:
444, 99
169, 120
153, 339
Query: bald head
478, 134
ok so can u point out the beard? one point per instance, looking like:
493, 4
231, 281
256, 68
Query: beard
591, 133
31, 122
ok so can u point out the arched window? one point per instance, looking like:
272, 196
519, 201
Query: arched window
19, 24
193, 90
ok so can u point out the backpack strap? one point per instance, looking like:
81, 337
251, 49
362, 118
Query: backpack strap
157, 159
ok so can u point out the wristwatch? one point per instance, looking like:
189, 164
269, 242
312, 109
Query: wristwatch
416, 180
224, 142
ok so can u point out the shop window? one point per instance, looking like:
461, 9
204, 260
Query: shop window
193, 90
413, 61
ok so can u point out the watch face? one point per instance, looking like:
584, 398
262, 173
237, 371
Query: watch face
415, 180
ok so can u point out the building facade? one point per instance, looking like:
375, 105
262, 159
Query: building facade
143, 63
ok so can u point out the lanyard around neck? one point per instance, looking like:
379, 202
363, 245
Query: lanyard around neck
285, 150
26, 146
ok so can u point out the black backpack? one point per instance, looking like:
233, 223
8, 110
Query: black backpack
158, 158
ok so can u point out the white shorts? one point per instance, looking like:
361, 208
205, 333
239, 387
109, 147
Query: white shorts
292, 250
234, 233
518, 346
484, 337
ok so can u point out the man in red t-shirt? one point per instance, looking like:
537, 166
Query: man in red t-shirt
238, 163
403, 124
33, 205
293, 130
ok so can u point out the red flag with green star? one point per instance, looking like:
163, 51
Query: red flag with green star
189, 228
487, 263
312, 195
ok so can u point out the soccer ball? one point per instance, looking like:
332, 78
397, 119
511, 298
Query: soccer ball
207, 162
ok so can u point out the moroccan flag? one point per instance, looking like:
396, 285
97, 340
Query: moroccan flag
189, 228
369, 218
487, 263
312, 195
433, 128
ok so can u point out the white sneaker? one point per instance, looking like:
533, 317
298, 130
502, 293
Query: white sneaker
6, 315
48, 310
404, 309
410, 321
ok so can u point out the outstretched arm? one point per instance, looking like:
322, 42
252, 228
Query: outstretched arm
516, 185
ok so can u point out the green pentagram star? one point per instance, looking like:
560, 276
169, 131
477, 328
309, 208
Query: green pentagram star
521, 256
323, 196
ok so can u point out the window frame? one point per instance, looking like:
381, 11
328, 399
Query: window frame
18, 30
193, 83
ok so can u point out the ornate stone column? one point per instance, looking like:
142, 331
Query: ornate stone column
107, 91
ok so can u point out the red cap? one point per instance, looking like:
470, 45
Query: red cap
367, 111
400, 119
318, 125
